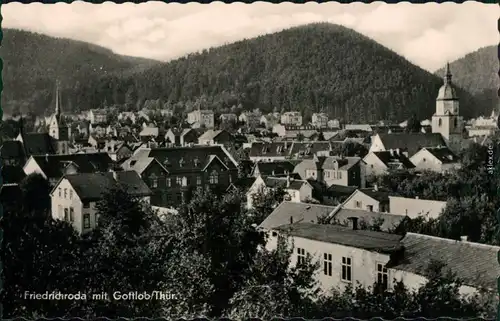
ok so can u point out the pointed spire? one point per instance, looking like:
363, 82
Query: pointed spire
447, 77
58, 108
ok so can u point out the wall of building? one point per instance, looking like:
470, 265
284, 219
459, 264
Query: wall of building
364, 200
415, 207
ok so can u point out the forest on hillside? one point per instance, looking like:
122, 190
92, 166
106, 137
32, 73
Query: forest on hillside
312, 68
477, 72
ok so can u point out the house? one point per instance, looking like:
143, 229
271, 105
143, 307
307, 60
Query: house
270, 120
378, 163
215, 137
250, 119
98, 129
121, 152
297, 190
74, 196
96, 116
272, 168
333, 170
319, 120
149, 132
474, 264
173, 173
181, 136
407, 143
334, 124
201, 118
228, 118
370, 199
127, 115
295, 212
267, 152
291, 118
292, 132
348, 255
436, 159
37, 143
351, 256
12, 153
415, 207
308, 150
98, 142
337, 194
53, 167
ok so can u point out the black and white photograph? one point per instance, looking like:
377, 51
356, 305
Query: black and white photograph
246, 161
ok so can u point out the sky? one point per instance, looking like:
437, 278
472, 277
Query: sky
428, 35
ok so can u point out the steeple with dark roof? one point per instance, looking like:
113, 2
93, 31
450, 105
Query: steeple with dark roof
447, 91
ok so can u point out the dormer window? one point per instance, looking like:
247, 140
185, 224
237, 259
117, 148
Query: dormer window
181, 162
196, 162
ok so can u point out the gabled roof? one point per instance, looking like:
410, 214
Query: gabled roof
363, 239
388, 157
150, 131
38, 144
411, 142
308, 149
343, 163
274, 168
185, 159
377, 194
53, 165
391, 221
210, 134
140, 164
475, 264
275, 182
298, 212
91, 186
12, 149
444, 154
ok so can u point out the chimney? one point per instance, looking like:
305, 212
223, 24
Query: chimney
463, 238
354, 221
375, 187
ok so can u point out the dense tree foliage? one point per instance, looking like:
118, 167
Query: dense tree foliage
318, 67
471, 193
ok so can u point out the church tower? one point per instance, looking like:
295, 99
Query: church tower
58, 128
446, 119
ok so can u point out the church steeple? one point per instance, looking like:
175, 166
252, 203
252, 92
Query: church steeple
58, 107
447, 76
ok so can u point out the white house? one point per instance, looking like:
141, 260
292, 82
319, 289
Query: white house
297, 190
436, 159
407, 143
201, 118
369, 199
75, 196
378, 163
319, 120
291, 118
415, 207
96, 116
348, 255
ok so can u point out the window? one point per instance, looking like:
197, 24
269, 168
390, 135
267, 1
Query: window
60, 193
168, 182
198, 180
327, 264
339, 175
346, 269
184, 181
327, 174
65, 193
382, 276
70, 194
301, 256
59, 211
455, 122
214, 178
178, 180
71, 214
154, 182
96, 218
66, 215
369, 208
358, 204
440, 122
86, 204
86, 220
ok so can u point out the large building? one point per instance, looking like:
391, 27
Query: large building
201, 118
58, 129
446, 120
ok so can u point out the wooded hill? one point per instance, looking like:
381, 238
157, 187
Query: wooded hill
316, 67
477, 72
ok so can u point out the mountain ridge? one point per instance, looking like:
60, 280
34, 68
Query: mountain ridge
315, 67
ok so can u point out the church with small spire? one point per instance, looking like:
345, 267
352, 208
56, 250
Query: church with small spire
58, 128
447, 120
